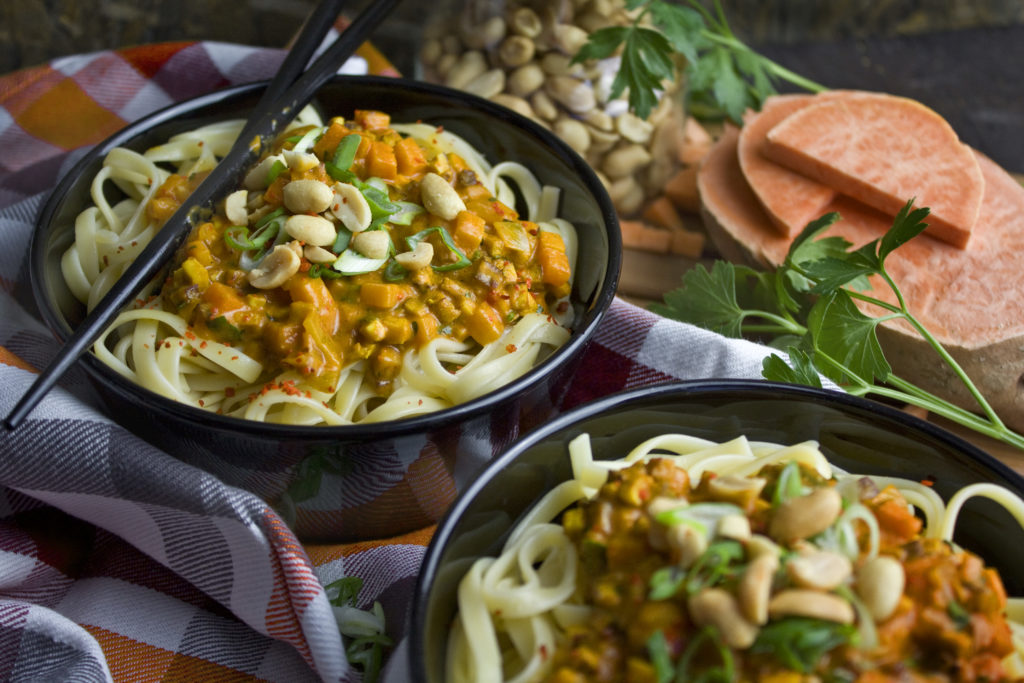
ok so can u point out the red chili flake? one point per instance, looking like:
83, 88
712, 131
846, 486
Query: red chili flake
229, 392
562, 306
344, 200
145, 346
189, 335
135, 243
201, 404
510, 348
928, 481
200, 143
543, 651
420, 402
202, 345
532, 232
234, 357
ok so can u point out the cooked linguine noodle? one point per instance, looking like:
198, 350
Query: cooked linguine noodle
524, 613
349, 337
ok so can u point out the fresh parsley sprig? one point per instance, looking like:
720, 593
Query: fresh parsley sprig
808, 306
722, 74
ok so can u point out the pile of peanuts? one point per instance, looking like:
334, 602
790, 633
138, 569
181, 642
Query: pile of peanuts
518, 53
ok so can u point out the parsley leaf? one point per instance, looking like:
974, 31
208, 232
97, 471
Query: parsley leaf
722, 74
814, 305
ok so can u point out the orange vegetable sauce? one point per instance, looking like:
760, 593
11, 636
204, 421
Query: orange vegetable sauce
318, 323
949, 624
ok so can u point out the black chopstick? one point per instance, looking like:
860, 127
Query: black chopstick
286, 95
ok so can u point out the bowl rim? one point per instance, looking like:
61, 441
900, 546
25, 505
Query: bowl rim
860, 406
580, 336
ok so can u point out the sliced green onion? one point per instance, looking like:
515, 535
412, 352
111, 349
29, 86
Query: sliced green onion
379, 201
306, 140
276, 169
342, 241
657, 650
665, 582
351, 262
395, 271
237, 237
704, 514
461, 262
340, 174
713, 565
269, 217
224, 329
323, 271
789, 484
345, 152
407, 211
799, 643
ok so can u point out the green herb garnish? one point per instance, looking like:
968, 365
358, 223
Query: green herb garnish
345, 152
807, 305
799, 643
366, 649
722, 74
460, 259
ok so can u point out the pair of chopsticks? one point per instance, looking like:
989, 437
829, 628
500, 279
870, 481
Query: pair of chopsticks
291, 88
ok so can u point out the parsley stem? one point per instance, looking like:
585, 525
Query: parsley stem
775, 68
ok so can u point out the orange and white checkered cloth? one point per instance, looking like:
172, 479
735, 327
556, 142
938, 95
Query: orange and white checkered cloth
119, 562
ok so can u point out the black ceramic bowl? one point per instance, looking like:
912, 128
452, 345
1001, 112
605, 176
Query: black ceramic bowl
855, 434
343, 483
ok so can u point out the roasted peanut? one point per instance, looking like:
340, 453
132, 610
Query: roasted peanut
440, 198
315, 254
633, 128
802, 602
574, 133
516, 51
805, 516
372, 243
557, 64
315, 230
235, 207
544, 106
821, 570
277, 266
350, 207
718, 608
516, 104
573, 94
487, 84
880, 583
687, 543
300, 162
568, 38
467, 67
525, 80
485, 35
758, 545
258, 178
525, 22
739, 490
307, 196
736, 527
420, 257
755, 588
626, 160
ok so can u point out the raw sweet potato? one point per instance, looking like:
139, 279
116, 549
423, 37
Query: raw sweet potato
882, 150
968, 298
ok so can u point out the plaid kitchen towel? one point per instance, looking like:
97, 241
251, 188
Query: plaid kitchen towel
119, 562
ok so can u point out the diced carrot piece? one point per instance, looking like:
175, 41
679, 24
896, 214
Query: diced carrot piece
381, 162
371, 119
554, 263
484, 324
469, 230
313, 290
381, 295
222, 300
197, 249
639, 235
195, 271
681, 189
427, 325
896, 518
411, 160
328, 142
687, 243
661, 211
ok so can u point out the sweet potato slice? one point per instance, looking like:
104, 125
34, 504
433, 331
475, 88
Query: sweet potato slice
883, 150
789, 198
967, 298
